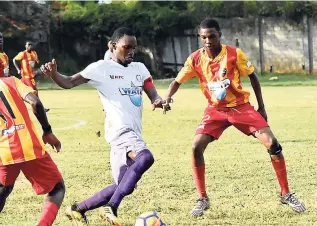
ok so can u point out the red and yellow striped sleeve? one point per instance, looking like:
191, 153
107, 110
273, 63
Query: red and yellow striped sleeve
245, 67
187, 72
19, 141
19, 56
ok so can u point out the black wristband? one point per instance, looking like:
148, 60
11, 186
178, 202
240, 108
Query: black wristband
47, 129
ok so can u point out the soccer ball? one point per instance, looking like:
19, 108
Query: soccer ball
150, 218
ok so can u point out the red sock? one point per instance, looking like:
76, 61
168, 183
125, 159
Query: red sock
280, 170
49, 214
199, 178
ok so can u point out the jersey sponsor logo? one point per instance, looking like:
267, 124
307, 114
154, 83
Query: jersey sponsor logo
116, 76
219, 88
12, 129
134, 93
138, 78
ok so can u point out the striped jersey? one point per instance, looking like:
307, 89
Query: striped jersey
28, 61
19, 140
231, 63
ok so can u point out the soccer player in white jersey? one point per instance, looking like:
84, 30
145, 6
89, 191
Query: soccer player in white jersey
109, 54
120, 83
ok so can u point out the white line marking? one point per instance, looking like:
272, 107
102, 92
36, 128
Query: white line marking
78, 123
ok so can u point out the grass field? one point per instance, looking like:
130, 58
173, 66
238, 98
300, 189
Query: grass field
240, 178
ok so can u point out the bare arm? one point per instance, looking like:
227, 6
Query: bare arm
152, 94
38, 111
258, 94
154, 97
15, 62
172, 89
66, 82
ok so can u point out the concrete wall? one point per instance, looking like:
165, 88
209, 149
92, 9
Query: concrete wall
285, 43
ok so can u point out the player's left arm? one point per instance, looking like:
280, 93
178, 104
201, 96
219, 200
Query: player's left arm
151, 92
246, 68
36, 58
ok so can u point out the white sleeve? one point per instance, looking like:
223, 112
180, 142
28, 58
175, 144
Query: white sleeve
144, 72
93, 72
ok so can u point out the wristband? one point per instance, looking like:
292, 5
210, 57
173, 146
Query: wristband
47, 129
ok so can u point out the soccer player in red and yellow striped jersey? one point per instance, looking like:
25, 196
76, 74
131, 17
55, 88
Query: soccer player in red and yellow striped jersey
218, 69
27, 59
4, 60
22, 149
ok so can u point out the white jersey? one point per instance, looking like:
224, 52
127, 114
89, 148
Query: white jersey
108, 55
120, 89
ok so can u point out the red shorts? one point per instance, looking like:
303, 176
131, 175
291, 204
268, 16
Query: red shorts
29, 82
244, 117
42, 173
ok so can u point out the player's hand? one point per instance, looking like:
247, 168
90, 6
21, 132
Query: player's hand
166, 105
52, 140
263, 113
49, 69
157, 104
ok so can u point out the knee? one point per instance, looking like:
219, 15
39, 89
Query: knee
274, 148
197, 149
59, 188
5, 190
147, 157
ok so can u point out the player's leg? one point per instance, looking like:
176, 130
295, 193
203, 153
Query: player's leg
46, 179
76, 212
130, 151
266, 136
249, 121
200, 143
34, 86
211, 127
4, 193
8, 175
32, 83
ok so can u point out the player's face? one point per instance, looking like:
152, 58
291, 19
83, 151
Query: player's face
28, 46
210, 38
1, 41
124, 49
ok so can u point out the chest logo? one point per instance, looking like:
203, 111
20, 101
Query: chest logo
134, 93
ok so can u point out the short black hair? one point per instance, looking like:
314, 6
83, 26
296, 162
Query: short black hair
119, 33
28, 41
209, 23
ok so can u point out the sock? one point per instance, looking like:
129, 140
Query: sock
49, 214
142, 162
99, 199
199, 179
280, 170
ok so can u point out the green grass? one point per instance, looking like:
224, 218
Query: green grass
283, 80
240, 179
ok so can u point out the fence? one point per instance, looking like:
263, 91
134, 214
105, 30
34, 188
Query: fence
271, 44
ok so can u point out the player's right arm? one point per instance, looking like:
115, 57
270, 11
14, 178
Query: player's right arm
66, 82
38, 110
17, 58
186, 73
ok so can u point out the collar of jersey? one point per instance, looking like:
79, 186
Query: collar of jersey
218, 57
